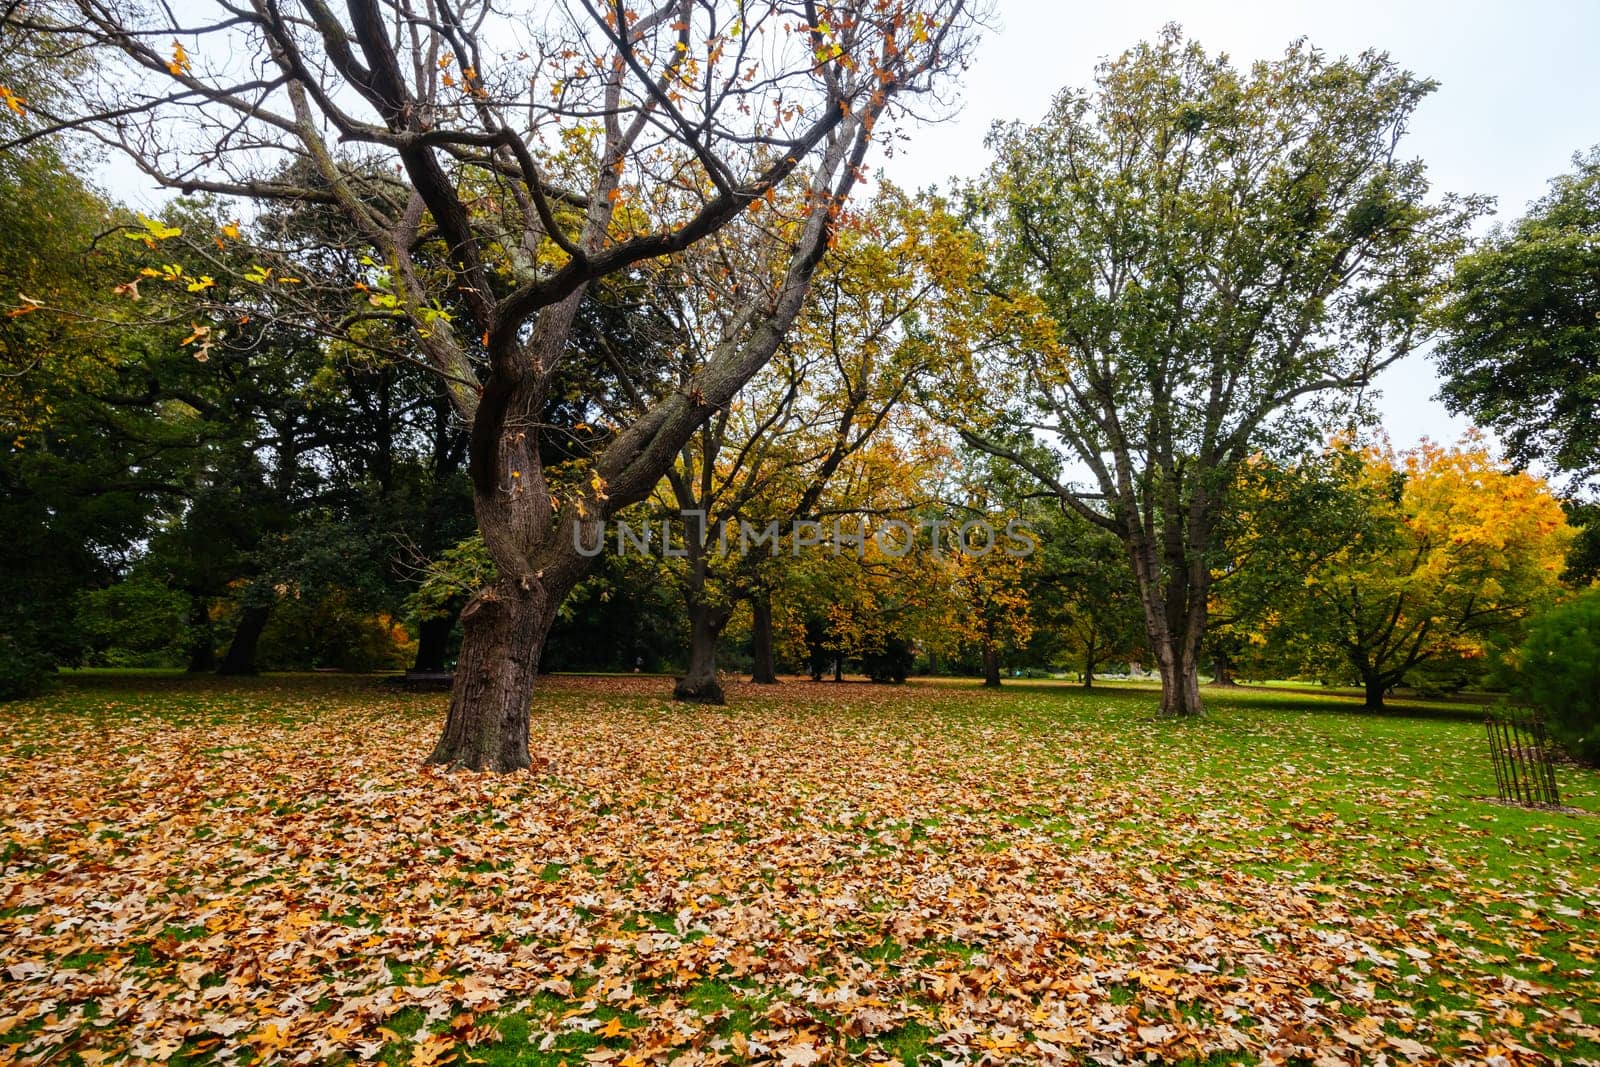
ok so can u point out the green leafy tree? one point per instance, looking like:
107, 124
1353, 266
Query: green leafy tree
1085, 602
139, 622
1559, 670
1521, 345
1215, 259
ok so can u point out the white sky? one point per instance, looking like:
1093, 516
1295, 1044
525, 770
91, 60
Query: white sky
1519, 94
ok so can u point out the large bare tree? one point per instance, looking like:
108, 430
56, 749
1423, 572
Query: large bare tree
499, 163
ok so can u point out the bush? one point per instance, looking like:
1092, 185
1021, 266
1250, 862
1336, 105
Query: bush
138, 622
22, 670
328, 632
1559, 670
891, 664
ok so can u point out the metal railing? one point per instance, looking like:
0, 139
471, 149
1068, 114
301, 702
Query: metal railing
1524, 772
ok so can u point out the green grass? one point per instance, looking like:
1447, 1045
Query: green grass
891, 874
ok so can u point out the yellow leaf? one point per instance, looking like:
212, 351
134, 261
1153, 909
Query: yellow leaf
180, 60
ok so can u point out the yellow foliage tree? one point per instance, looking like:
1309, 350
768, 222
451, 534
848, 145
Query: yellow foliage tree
1446, 551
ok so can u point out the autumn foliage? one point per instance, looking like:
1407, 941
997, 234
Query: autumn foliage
196, 871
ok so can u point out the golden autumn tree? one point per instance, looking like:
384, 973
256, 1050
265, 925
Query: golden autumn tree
1435, 554
991, 610
822, 437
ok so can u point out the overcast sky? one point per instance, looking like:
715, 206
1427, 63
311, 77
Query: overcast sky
1519, 94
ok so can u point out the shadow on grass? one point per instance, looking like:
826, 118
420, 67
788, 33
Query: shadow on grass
1118, 693
1275, 698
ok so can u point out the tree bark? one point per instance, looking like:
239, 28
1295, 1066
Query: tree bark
503, 633
202, 638
433, 642
765, 670
1174, 605
241, 655
699, 684
1222, 670
991, 667
1376, 685
1183, 699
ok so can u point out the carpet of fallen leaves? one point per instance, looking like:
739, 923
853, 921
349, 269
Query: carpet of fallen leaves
263, 872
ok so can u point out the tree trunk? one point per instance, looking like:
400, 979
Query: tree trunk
991, 667
1375, 685
202, 638
699, 684
1180, 698
1174, 618
765, 669
241, 656
1088, 672
838, 667
433, 642
1222, 669
504, 626
503, 633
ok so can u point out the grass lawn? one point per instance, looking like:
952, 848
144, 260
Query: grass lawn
197, 871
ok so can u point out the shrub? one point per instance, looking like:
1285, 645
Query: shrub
23, 671
1559, 670
138, 622
330, 632
890, 664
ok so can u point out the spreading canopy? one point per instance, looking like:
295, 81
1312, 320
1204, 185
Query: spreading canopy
1214, 253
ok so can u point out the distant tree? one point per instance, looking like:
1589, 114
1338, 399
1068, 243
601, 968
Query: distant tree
1084, 600
991, 605
1521, 346
1285, 521
803, 441
1214, 258
1583, 562
139, 622
81, 481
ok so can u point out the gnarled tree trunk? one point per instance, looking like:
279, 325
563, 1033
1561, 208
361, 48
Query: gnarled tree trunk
991, 666
699, 684
504, 630
503, 627
241, 656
